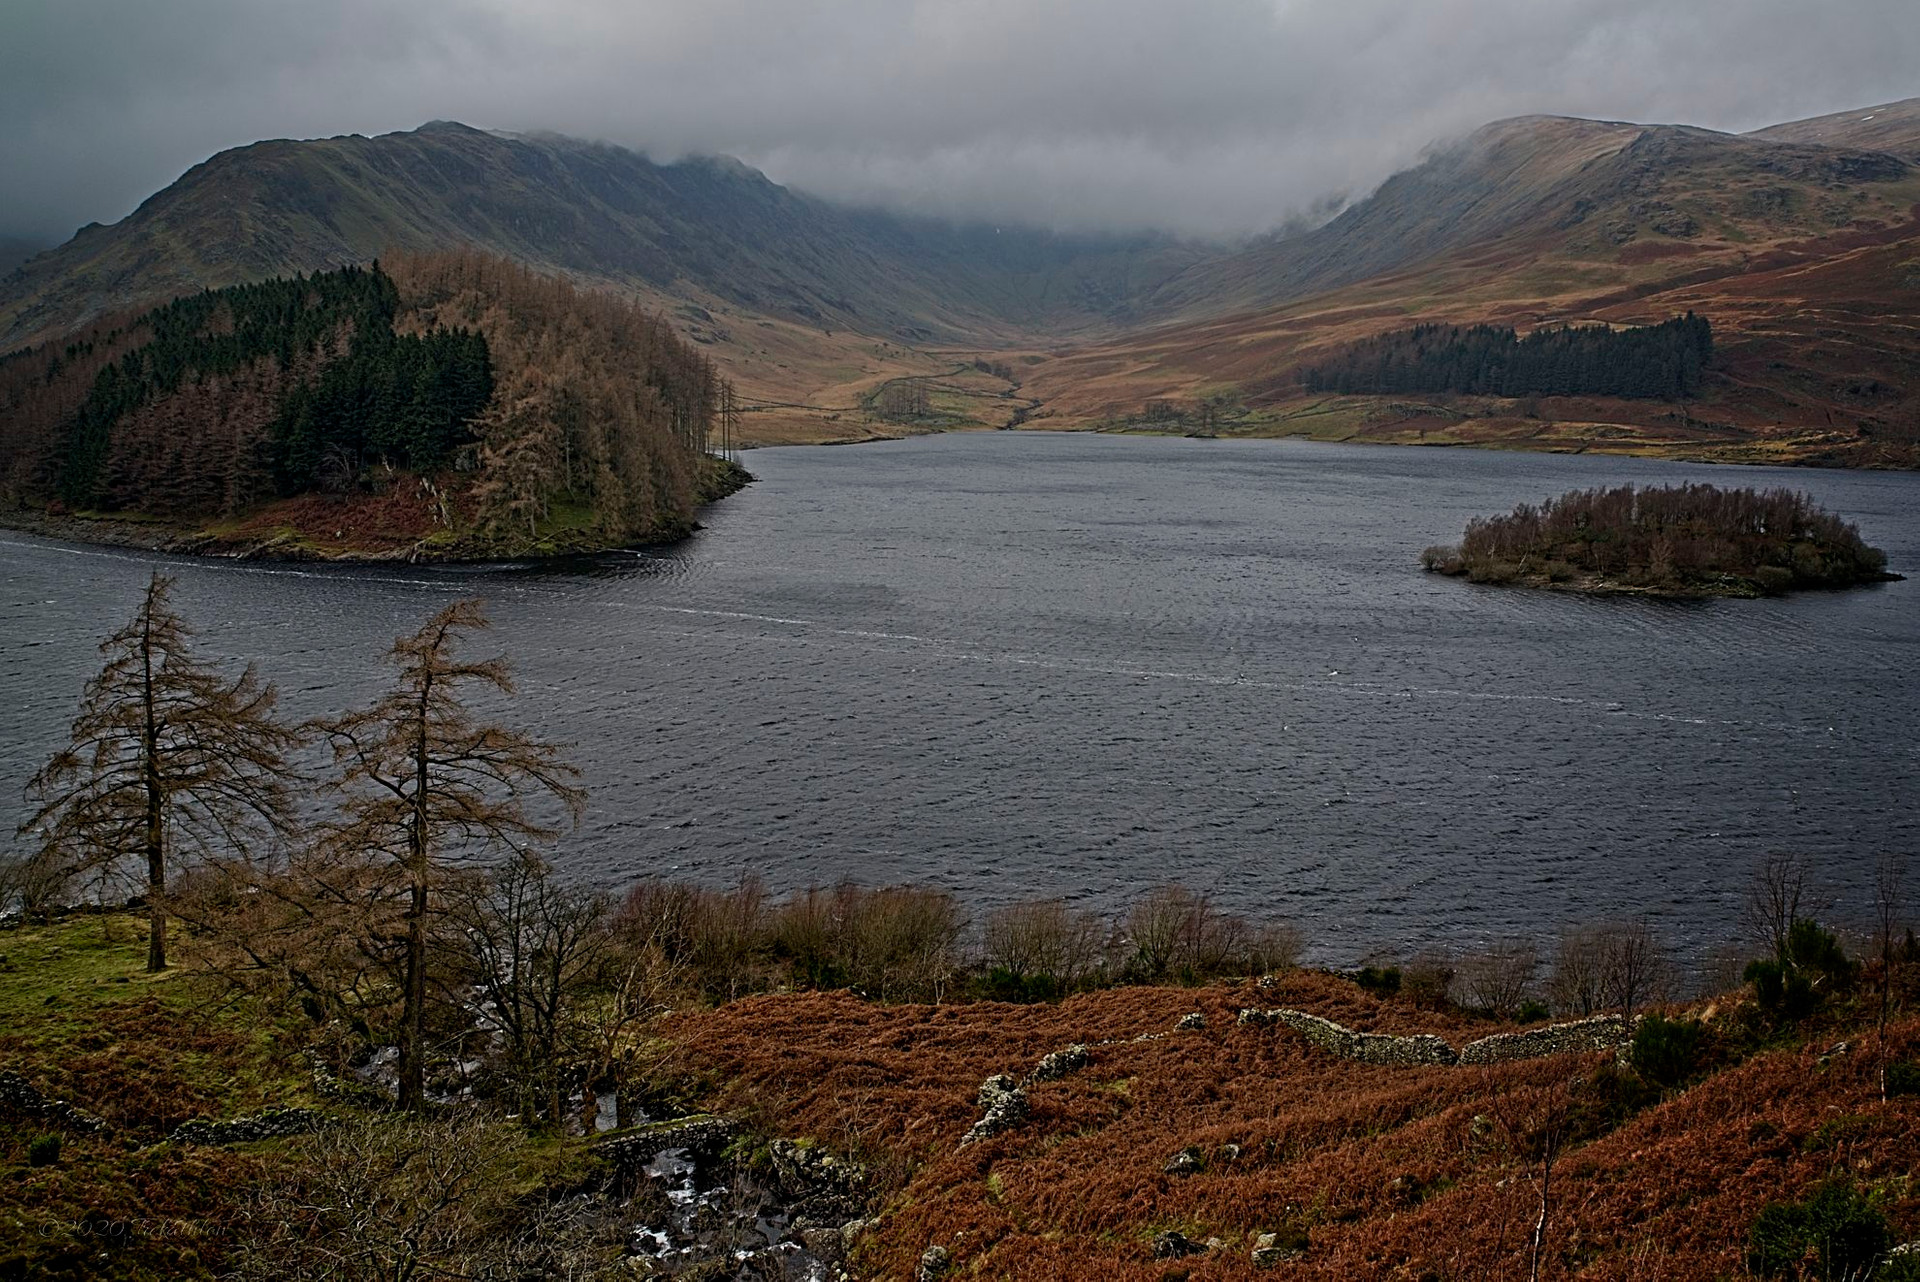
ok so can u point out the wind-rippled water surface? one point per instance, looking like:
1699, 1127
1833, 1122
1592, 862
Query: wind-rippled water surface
1031, 665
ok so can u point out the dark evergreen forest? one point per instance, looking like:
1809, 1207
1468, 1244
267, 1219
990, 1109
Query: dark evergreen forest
347, 389
1654, 362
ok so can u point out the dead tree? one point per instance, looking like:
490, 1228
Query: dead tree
168, 756
424, 787
1888, 906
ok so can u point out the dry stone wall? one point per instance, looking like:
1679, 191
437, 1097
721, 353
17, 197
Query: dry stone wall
19, 1095
1603, 1032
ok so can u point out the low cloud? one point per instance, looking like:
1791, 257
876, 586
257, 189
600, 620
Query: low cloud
1217, 118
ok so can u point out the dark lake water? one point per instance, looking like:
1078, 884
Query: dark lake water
1031, 665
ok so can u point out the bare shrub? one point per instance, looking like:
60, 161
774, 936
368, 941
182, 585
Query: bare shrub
803, 934
1155, 926
899, 943
1044, 940
1427, 979
39, 881
1275, 947
720, 938
394, 1198
1499, 977
1577, 986
1174, 931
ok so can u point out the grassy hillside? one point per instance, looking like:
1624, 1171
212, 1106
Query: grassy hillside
1892, 126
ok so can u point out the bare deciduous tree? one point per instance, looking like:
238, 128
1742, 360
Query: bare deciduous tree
1775, 900
168, 756
424, 786
1636, 967
1500, 976
535, 946
1578, 983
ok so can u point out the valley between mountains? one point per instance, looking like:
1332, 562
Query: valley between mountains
1799, 245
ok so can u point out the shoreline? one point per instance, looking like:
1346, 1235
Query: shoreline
288, 545
1734, 589
1805, 460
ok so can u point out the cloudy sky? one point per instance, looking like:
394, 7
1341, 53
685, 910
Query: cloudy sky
1210, 117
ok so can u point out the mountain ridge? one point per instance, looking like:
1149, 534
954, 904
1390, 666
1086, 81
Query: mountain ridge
591, 209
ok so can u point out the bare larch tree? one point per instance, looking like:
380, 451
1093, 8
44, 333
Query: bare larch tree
167, 757
423, 786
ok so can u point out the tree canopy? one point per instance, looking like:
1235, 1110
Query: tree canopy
1661, 362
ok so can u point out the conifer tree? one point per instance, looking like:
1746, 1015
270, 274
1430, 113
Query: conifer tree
167, 757
424, 786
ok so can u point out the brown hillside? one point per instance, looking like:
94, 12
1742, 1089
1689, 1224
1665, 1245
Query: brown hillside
1799, 255
1892, 126
1379, 1172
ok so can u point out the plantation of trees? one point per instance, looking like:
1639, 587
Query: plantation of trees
1667, 537
1654, 362
517, 391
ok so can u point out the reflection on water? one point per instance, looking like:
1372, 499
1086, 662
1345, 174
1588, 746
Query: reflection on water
1021, 665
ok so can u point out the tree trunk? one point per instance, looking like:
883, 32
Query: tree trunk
156, 830
413, 1070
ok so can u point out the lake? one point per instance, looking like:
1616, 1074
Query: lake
1028, 664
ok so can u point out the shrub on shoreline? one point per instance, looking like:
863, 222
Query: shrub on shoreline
908, 943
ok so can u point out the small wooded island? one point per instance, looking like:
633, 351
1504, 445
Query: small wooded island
1679, 540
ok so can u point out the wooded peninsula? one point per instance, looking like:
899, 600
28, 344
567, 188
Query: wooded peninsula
436, 406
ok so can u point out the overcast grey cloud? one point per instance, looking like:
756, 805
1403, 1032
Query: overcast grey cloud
1210, 117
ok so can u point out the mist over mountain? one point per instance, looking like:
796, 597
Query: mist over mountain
710, 226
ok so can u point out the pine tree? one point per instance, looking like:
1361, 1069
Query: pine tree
167, 756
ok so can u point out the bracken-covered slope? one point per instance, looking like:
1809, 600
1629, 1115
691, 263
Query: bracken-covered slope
1341, 1170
